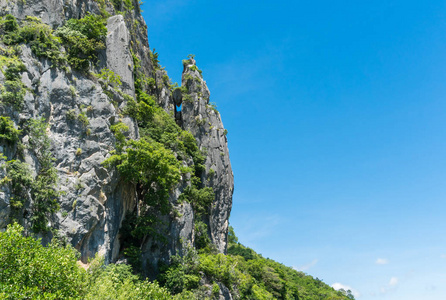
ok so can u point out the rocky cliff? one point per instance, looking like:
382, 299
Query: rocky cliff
67, 85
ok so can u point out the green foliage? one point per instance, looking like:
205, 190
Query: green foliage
213, 106
232, 238
223, 268
142, 111
109, 77
14, 68
103, 8
188, 77
82, 39
23, 187
201, 199
13, 92
202, 240
151, 167
247, 274
195, 68
118, 282
183, 273
39, 36
10, 23
82, 117
20, 183
8, 133
157, 125
73, 91
119, 129
123, 5
31, 271
166, 80
154, 59
215, 289
71, 115
43, 192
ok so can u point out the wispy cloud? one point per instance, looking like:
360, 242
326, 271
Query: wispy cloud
337, 286
393, 283
307, 266
443, 256
382, 261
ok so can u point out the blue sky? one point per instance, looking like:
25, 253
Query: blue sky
336, 118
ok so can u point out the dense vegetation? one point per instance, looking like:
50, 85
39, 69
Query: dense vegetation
247, 275
81, 39
29, 270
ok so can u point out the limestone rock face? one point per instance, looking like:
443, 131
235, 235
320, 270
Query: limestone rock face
94, 199
80, 109
119, 58
202, 119
52, 12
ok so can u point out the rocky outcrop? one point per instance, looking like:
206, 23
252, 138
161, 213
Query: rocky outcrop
80, 109
119, 59
202, 119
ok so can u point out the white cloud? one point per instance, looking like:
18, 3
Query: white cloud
337, 286
307, 266
382, 261
393, 281
443, 256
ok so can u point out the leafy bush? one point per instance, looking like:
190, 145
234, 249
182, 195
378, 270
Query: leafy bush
13, 93
10, 23
20, 182
202, 240
40, 37
30, 271
14, 68
43, 192
201, 199
118, 282
109, 77
82, 39
182, 274
8, 133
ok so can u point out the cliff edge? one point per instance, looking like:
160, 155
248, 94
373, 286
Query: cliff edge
80, 93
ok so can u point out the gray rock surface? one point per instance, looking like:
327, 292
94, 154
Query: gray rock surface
119, 58
95, 199
203, 120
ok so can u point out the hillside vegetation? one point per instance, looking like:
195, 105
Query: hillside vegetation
29, 270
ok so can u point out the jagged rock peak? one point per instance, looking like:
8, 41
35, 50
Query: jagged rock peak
202, 119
